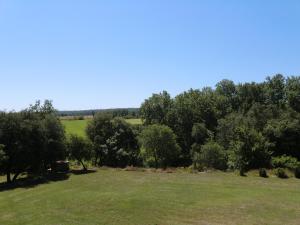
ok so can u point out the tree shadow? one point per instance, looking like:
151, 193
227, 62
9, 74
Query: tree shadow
30, 182
82, 172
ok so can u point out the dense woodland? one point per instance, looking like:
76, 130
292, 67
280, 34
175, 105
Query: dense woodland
229, 127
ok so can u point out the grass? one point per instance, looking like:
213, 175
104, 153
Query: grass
78, 126
112, 196
134, 121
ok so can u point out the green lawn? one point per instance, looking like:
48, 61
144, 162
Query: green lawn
78, 126
123, 197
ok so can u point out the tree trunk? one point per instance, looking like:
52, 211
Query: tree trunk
8, 178
16, 176
84, 167
96, 159
155, 158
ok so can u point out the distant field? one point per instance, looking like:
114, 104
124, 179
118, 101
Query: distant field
75, 127
78, 126
134, 121
147, 198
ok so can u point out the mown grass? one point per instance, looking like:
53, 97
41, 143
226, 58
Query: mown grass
78, 126
128, 197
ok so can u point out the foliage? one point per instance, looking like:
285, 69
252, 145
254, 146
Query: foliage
284, 132
263, 172
293, 92
200, 133
280, 172
297, 172
114, 141
285, 161
155, 109
158, 143
248, 149
79, 149
33, 140
211, 155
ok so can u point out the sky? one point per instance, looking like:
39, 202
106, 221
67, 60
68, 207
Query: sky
116, 53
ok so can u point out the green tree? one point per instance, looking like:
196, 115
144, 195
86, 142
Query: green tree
79, 149
99, 130
293, 92
200, 133
249, 149
210, 155
122, 145
55, 140
275, 90
284, 133
156, 108
32, 139
158, 143
114, 141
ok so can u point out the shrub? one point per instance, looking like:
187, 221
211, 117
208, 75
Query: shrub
79, 149
211, 155
159, 146
285, 161
280, 172
263, 172
297, 172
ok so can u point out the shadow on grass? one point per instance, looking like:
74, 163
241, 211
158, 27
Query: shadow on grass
82, 172
30, 182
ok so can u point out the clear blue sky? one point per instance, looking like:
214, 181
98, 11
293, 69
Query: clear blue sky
103, 54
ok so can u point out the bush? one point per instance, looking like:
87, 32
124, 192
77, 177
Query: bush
285, 161
263, 172
211, 155
280, 172
159, 146
297, 172
79, 149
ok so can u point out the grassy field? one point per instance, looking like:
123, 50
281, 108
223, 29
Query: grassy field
78, 126
75, 127
125, 197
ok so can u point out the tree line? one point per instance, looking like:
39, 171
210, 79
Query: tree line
122, 112
232, 126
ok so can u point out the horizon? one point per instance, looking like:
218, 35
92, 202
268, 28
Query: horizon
104, 55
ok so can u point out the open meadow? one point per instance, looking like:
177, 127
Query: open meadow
113, 196
78, 126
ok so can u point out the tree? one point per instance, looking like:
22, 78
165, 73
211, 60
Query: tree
122, 145
210, 155
284, 133
248, 94
158, 143
275, 90
293, 92
114, 141
99, 130
32, 139
55, 148
3, 159
228, 89
189, 108
200, 133
79, 149
249, 149
156, 108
